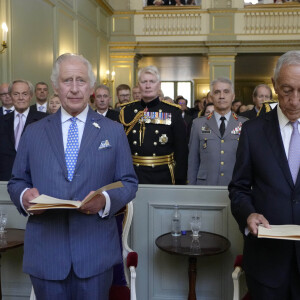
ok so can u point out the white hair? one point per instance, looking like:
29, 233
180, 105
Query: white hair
150, 70
288, 58
66, 56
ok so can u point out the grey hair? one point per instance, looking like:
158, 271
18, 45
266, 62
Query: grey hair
254, 94
223, 80
66, 56
102, 86
30, 85
150, 70
288, 58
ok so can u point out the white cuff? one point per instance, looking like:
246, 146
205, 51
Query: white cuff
105, 212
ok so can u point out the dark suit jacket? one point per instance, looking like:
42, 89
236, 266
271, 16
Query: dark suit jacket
112, 114
262, 183
250, 114
7, 141
60, 239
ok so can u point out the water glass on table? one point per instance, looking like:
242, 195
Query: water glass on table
3, 221
195, 225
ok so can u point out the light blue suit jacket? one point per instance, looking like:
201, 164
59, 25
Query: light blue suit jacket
59, 239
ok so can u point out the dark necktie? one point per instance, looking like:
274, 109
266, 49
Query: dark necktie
222, 125
294, 151
8, 111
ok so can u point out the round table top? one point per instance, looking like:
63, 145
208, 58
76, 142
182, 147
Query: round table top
206, 244
12, 238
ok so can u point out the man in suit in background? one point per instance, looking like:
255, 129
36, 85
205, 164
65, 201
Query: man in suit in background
214, 139
136, 93
186, 115
70, 254
261, 94
102, 100
7, 105
265, 188
41, 95
12, 125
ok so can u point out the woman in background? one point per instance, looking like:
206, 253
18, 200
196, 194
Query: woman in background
53, 104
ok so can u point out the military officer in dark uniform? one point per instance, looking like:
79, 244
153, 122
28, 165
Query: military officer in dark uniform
156, 134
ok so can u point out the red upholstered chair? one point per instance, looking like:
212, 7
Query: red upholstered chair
240, 290
130, 259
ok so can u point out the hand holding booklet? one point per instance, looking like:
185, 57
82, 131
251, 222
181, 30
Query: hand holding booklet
47, 202
284, 232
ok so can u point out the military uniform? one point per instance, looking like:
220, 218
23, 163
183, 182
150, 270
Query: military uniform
212, 157
267, 107
157, 138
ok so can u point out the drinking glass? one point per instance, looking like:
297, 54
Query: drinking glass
195, 225
3, 221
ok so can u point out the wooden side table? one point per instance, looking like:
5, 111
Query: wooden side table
12, 238
207, 244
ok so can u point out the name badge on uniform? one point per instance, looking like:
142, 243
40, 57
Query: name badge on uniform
205, 129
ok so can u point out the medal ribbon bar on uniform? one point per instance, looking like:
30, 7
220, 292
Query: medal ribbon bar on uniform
156, 118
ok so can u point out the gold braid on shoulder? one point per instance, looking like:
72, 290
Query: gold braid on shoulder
131, 124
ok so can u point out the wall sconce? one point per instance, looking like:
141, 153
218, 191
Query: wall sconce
4, 37
110, 78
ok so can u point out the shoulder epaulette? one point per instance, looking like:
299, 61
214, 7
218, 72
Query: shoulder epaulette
210, 115
172, 104
126, 103
235, 116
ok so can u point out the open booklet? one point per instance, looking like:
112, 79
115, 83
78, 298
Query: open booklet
47, 202
284, 232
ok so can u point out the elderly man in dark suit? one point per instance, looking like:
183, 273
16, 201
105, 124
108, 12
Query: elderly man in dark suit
12, 125
261, 94
102, 100
265, 188
7, 105
70, 254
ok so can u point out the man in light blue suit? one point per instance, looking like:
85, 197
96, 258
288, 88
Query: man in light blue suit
70, 254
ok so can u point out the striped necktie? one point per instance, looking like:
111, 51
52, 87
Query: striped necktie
19, 130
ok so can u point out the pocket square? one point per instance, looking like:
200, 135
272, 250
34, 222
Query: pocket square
104, 144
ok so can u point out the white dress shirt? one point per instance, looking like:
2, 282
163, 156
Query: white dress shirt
218, 116
286, 129
24, 117
44, 107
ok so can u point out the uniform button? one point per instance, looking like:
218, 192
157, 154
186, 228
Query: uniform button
222, 163
135, 111
222, 151
134, 131
222, 141
154, 154
156, 131
137, 165
153, 166
222, 174
155, 143
134, 142
136, 153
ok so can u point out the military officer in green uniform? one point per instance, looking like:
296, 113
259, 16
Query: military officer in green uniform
156, 134
214, 139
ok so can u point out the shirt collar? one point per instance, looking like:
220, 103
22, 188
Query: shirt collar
103, 114
25, 113
65, 116
218, 116
282, 118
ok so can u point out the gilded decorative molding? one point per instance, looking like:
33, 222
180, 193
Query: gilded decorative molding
106, 6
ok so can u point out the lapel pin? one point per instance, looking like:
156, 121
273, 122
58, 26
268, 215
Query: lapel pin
96, 125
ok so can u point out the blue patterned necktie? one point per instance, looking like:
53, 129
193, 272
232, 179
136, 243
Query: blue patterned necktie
72, 148
294, 151
7, 111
